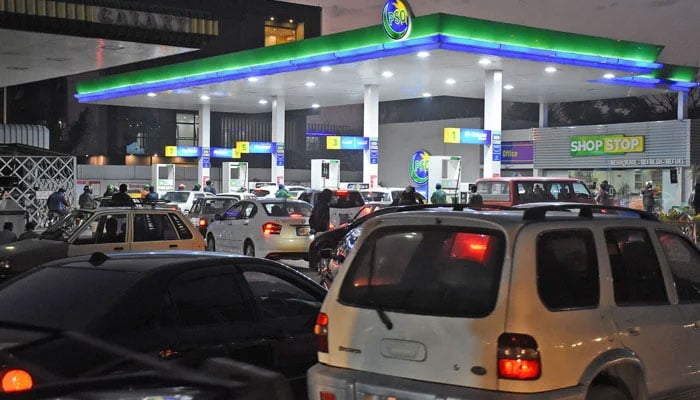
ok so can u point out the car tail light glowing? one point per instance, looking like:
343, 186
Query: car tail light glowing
341, 192
331, 227
16, 380
296, 215
321, 332
271, 228
518, 357
203, 223
470, 246
327, 396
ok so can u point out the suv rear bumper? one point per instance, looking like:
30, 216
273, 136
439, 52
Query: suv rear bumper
348, 384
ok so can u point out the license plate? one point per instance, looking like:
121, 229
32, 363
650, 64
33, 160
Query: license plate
303, 231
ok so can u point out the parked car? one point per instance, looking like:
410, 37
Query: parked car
396, 195
510, 191
344, 205
105, 229
183, 199
271, 228
205, 208
270, 191
536, 303
239, 195
176, 307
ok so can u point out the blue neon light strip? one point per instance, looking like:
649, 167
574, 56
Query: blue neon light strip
319, 133
379, 51
648, 83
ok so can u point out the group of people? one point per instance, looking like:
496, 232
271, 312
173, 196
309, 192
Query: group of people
7, 235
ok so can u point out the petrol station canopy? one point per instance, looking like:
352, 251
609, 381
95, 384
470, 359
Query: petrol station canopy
444, 55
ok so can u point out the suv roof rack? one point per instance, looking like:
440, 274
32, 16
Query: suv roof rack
538, 213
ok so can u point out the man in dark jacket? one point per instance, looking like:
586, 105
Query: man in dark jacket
408, 196
122, 198
321, 214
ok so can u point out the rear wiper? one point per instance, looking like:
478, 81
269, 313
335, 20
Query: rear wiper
380, 311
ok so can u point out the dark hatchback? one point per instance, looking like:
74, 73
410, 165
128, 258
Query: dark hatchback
184, 307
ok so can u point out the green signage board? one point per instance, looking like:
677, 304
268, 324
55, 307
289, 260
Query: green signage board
603, 145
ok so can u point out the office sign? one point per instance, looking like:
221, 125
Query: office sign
467, 136
602, 145
515, 153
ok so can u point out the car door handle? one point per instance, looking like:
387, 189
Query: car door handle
173, 246
119, 248
633, 331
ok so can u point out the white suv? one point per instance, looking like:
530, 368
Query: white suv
530, 304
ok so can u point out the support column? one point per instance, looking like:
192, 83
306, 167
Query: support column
4, 105
277, 163
493, 104
682, 105
370, 156
204, 164
544, 115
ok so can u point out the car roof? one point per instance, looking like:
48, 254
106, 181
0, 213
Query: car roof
528, 178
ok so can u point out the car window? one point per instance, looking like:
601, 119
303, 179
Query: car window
581, 191
567, 269
216, 206
346, 199
235, 211
249, 210
64, 298
199, 298
177, 197
494, 191
107, 228
637, 278
180, 226
439, 271
277, 297
153, 227
375, 196
684, 261
287, 209
196, 207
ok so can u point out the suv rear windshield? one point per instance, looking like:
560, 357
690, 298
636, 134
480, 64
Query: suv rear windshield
347, 199
439, 271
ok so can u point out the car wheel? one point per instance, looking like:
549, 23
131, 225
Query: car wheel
211, 245
249, 249
606, 392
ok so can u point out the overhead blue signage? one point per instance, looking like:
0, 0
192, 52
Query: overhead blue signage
206, 162
262, 148
221, 152
374, 151
183, 151
280, 154
467, 136
354, 143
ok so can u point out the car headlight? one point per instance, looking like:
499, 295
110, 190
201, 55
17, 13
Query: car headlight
5, 264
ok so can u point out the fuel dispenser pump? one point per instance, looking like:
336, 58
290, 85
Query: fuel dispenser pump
235, 176
164, 176
325, 173
447, 171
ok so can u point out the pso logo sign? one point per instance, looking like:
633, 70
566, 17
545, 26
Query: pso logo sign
418, 169
396, 18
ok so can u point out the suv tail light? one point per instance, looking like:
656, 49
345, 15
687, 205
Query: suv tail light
203, 223
271, 228
518, 357
16, 380
321, 332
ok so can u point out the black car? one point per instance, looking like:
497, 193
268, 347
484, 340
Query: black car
179, 306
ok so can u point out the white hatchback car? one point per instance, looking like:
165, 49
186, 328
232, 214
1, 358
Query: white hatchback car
543, 303
184, 199
269, 228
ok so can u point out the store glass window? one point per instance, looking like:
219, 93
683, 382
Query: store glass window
186, 129
280, 31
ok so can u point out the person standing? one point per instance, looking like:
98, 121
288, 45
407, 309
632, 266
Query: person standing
29, 232
152, 195
475, 198
6, 235
111, 191
181, 186
321, 213
85, 201
209, 187
696, 198
439, 196
282, 192
122, 198
197, 187
408, 196
648, 198
603, 196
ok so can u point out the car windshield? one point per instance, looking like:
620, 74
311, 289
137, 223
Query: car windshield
287, 209
375, 196
177, 197
217, 205
63, 298
65, 227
